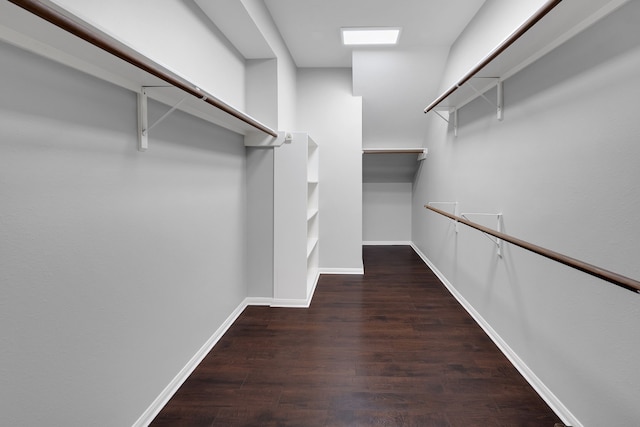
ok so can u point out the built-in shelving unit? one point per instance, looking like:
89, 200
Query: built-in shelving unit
296, 220
550, 26
313, 220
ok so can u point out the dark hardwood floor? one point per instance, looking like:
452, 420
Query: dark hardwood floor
390, 348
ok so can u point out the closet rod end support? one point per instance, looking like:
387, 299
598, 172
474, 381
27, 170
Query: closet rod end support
262, 140
143, 124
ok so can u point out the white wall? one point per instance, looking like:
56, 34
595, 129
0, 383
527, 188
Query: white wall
262, 103
116, 266
495, 20
332, 116
249, 25
271, 97
395, 86
386, 212
175, 34
262, 90
287, 92
562, 167
260, 216
286, 79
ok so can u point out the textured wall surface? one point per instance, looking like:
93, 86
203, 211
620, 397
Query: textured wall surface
116, 266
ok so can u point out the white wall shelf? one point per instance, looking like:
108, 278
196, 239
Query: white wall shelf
311, 213
33, 33
313, 209
391, 164
420, 152
553, 24
311, 245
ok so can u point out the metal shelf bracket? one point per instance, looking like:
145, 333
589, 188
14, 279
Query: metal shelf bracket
451, 111
143, 137
496, 241
143, 117
499, 104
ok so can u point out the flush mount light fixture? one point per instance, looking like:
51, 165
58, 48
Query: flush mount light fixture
370, 36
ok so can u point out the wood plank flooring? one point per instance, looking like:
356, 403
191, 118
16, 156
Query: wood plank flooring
390, 348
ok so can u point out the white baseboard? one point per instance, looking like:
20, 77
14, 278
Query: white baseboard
313, 287
258, 301
290, 303
547, 395
279, 302
297, 303
154, 409
342, 270
387, 243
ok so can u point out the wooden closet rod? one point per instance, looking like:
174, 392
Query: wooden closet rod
105, 43
541, 13
601, 273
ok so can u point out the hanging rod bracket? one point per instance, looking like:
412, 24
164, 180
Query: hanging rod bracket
599, 272
500, 100
143, 121
452, 111
496, 240
499, 104
143, 117
261, 140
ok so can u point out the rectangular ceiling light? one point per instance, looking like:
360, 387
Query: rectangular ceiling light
370, 36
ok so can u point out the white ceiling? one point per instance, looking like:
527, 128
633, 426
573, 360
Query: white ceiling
395, 82
311, 28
